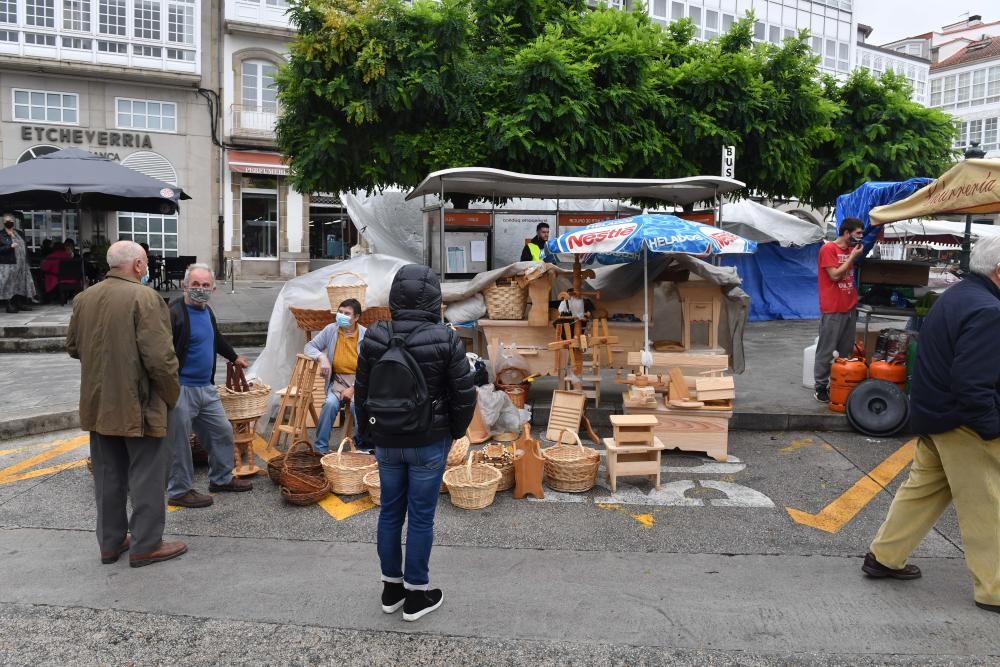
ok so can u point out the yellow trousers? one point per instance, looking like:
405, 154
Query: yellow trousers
957, 465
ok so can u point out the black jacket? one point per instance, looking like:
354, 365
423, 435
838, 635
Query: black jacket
7, 254
180, 325
414, 299
526, 252
956, 381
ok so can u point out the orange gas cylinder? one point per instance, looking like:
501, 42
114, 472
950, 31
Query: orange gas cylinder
895, 373
845, 375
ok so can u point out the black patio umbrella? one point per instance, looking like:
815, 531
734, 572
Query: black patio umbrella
75, 179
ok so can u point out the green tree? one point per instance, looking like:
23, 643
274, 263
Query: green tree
880, 134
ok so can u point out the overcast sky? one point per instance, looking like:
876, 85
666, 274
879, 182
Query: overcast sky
894, 19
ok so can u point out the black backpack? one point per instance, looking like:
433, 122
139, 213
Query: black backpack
398, 401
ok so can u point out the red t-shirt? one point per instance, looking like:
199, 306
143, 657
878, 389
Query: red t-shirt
835, 296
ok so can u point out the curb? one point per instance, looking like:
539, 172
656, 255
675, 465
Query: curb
34, 425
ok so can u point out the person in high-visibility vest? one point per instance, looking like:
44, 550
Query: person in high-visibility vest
534, 250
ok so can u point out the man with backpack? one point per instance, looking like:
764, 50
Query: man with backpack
413, 394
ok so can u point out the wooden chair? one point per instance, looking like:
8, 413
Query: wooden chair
296, 401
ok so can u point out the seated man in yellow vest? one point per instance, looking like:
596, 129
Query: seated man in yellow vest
534, 250
336, 347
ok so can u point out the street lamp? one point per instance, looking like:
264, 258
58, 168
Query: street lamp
973, 152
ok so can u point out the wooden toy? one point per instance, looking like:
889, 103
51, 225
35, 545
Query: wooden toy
633, 429
632, 461
678, 390
715, 388
701, 302
528, 467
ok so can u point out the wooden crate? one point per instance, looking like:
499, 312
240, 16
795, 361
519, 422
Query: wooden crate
633, 429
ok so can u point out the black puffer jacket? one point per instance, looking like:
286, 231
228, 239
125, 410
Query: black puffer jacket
415, 299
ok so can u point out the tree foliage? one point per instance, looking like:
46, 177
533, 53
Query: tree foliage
378, 94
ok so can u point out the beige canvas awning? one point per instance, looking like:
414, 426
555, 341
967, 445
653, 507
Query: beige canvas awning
971, 186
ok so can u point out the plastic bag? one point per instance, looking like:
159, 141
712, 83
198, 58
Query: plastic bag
510, 360
498, 412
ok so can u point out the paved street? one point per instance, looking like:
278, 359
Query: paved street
712, 569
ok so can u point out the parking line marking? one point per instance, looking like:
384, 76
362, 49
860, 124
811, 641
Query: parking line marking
14, 473
841, 511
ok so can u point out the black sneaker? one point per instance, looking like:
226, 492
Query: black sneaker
393, 597
822, 394
877, 570
421, 603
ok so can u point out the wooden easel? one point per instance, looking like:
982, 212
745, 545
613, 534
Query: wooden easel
296, 400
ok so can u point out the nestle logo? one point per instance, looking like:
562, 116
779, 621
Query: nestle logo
583, 239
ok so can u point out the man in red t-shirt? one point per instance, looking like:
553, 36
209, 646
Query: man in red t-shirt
837, 299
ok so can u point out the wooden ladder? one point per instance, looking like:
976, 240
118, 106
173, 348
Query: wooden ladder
296, 403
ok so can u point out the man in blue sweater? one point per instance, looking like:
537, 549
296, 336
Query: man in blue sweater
196, 342
955, 409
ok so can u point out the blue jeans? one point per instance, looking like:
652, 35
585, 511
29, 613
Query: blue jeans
199, 409
330, 408
411, 482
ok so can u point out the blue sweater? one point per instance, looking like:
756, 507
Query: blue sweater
956, 381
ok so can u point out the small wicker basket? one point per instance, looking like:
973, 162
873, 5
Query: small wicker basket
570, 468
472, 487
374, 485
506, 300
346, 288
506, 470
244, 404
308, 498
518, 393
456, 456
299, 463
346, 470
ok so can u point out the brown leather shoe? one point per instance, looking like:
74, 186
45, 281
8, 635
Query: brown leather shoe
191, 499
875, 569
235, 485
165, 551
112, 557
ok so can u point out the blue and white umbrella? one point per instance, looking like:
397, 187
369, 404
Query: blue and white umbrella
629, 240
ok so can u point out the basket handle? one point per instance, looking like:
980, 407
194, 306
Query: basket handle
292, 447
341, 448
575, 437
345, 273
468, 468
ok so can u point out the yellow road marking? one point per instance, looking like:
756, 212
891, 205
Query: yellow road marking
28, 448
645, 520
841, 511
796, 444
14, 473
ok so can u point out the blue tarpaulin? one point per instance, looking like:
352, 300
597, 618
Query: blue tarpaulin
781, 282
858, 204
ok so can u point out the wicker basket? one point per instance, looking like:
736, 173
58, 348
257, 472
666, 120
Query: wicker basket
312, 319
300, 459
308, 498
506, 470
571, 468
346, 470
346, 288
244, 404
370, 316
518, 393
374, 486
472, 487
199, 456
506, 300
296, 482
456, 456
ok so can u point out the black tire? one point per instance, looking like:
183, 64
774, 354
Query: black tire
878, 409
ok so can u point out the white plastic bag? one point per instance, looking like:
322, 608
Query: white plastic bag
498, 412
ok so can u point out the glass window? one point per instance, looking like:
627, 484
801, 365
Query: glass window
976, 131
979, 85
8, 11
146, 19
145, 115
676, 10
830, 60
990, 134
963, 136
817, 45
76, 15
52, 225
936, 85
866, 60
694, 13
111, 17
40, 13
727, 22
964, 86
45, 106
948, 96
180, 21
260, 224
774, 34
758, 31
159, 231
258, 91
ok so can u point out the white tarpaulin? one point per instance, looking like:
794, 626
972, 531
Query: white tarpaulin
764, 224
912, 228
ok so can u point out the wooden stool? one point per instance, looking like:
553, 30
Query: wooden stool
700, 302
244, 431
633, 429
529, 467
633, 461
296, 401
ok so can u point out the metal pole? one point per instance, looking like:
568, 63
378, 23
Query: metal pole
646, 357
973, 152
441, 250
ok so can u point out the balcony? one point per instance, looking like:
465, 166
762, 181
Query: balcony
251, 123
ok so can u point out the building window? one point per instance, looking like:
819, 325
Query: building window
39, 39
259, 208
990, 134
180, 21
279, 3
948, 96
41, 13
52, 225
8, 11
76, 15
258, 91
180, 54
963, 136
147, 19
147, 51
112, 47
45, 106
111, 17
975, 131
159, 231
9, 36
145, 115
676, 10
77, 43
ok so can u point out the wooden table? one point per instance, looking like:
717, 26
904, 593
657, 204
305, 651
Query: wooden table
689, 430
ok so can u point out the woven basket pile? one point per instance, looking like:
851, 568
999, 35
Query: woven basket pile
300, 459
346, 470
506, 300
244, 404
373, 485
370, 316
345, 288
499, 457
312, 319
301, 481
570, 468
456, 456
472, 487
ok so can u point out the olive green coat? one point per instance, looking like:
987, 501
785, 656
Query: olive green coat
120, 332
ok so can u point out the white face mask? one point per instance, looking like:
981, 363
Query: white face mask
145, 277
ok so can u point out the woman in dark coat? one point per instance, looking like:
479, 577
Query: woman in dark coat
17, 287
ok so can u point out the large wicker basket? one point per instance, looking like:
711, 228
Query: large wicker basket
307, 498
370, 316
244, 404
374, 486
312, 319
300, 459
506, 300
472, 487
346, 470
345, 288
456, 456
571, 468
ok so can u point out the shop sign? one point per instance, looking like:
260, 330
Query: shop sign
79, 136
582, 219
466, 219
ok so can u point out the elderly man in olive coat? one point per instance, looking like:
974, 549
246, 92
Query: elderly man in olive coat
120, 332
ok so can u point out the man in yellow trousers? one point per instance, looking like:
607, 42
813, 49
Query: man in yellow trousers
955, 408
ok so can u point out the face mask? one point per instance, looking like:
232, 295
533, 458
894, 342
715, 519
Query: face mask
199, 295
145, 277
8, 224
343, 321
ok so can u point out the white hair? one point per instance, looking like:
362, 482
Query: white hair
123, 253
196, 267
985, 257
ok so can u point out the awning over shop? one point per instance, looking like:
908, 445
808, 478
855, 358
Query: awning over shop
496, 183
971, 186
251, 162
